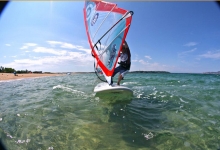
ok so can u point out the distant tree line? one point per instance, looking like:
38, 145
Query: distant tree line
11, 70
22, 71
7, 70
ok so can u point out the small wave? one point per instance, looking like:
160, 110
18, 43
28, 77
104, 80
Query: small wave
129, 83
8, 135
154, 93
139, 95
148, 136
23, 141
183, 100
10, 80
67, 89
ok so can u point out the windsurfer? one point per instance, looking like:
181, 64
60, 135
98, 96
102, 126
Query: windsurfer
124, 64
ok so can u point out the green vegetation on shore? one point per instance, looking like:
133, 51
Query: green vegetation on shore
12, 70
6, 70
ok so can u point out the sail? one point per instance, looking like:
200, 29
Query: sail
106, 26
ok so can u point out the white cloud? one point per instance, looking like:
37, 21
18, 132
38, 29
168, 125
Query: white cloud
68, 46
31, 44
148, 57
143, 62
147, 66
213, 55
62, 44
85, 50
74, 58
50, 51
27, 45
191, 44
28, 62
7, 44
134, 60
62, 57
186, 52
58, 58
53, 43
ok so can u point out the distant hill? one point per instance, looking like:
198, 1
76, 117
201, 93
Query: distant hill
129, 72
218, 72
149, 72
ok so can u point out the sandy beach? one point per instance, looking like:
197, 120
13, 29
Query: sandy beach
11, 76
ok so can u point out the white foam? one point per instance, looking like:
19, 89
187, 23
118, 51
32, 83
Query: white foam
148, 136
9, 136
10, 80
154, 93
66, 89
23, 141
50, 148
139, 95
127, 83
183, 100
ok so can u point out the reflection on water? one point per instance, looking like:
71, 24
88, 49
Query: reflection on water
165, 112
114, 96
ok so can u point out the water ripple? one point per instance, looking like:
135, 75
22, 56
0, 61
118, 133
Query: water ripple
167, 111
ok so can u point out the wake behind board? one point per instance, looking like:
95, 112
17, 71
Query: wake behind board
105, 87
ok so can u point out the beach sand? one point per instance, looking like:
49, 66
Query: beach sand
11, 76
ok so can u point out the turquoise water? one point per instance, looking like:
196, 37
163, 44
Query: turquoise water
167, 111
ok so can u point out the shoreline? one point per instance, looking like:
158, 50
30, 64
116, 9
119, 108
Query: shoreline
11, 76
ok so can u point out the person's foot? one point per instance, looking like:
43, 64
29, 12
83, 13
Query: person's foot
118, 84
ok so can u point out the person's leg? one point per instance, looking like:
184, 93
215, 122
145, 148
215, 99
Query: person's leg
121, 75
117, 69
119, 79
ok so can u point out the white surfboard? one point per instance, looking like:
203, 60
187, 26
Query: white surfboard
105, 87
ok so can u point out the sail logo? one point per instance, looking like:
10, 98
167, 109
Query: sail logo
89, 9
94, 19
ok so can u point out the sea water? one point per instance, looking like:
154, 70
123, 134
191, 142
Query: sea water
166, 111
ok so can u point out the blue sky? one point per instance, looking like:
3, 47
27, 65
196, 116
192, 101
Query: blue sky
179, 37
